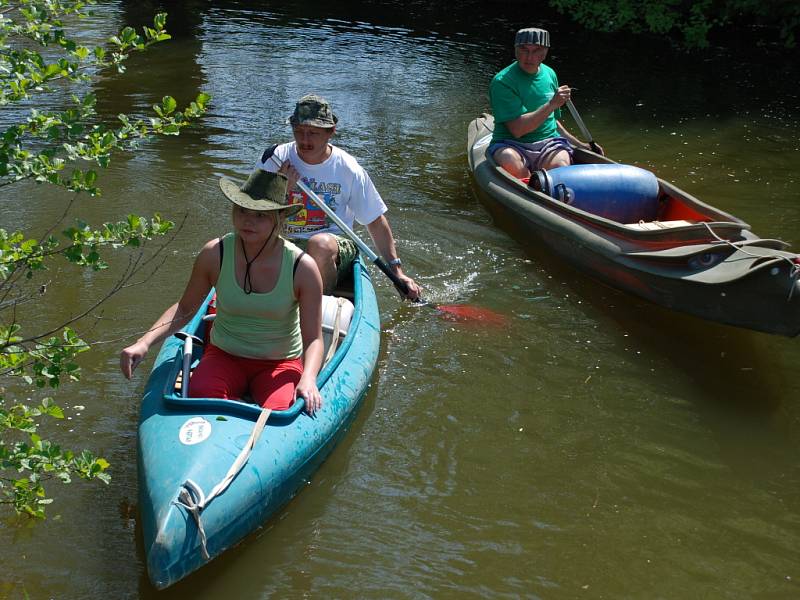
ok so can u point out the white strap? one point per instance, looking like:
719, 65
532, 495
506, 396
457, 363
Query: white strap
191, 495
336, 330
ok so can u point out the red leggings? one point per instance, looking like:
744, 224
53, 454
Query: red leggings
271, 383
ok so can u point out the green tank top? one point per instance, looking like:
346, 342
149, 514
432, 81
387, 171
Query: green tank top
264, 326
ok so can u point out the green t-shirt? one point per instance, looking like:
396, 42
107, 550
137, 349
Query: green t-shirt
513, 92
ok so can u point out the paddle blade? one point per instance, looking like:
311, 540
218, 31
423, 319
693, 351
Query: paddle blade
461, 312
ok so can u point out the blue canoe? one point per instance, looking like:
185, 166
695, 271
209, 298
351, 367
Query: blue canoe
197, 440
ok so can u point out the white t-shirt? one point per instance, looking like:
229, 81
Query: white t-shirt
340, 182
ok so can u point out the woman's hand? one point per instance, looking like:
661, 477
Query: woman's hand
307, 389
131, 356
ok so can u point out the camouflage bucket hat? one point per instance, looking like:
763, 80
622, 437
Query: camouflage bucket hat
532, 35
263, 190
313, 110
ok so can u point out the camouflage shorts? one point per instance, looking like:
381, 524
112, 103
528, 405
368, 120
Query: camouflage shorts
348, 251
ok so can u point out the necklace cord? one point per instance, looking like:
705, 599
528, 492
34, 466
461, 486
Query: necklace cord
248, 281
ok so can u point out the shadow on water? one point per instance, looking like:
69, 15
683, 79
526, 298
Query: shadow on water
184, 17
169, 67
642, 87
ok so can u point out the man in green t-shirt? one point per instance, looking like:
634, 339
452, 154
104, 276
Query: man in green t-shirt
526, 102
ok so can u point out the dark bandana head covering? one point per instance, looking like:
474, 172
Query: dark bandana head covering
532, 35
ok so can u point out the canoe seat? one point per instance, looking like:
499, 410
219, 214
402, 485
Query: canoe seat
656, 225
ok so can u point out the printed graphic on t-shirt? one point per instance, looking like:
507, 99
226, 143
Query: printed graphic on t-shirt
311, 218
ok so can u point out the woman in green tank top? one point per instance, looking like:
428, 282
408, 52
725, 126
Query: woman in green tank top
267, 337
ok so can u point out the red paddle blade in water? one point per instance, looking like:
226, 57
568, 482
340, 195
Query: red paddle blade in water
460, 312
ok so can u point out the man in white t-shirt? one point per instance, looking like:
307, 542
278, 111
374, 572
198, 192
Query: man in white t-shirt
343, 184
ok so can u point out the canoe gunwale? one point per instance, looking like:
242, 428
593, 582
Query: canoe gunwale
730, 227
725, 225
745, 281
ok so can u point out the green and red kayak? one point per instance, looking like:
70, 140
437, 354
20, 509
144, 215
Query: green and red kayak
640, 234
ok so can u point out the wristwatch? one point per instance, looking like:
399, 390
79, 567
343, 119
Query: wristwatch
395, 262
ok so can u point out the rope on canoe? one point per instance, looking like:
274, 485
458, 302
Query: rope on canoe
337, 327
794, 268
191, 496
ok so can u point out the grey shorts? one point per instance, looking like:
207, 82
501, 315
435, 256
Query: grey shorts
535, 154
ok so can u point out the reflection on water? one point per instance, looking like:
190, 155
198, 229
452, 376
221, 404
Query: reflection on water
595, 445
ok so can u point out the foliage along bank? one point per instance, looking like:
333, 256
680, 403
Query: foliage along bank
37, 56
690, 23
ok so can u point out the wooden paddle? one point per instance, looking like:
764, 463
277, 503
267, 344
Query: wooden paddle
454, 311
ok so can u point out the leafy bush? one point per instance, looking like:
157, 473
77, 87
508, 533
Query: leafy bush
690, 22
44, 147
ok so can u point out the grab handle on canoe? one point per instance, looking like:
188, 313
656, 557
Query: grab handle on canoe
235, 407
188, 341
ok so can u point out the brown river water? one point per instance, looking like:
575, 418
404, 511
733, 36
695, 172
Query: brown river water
595, 446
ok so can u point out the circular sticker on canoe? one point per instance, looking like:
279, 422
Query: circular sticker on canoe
194, 431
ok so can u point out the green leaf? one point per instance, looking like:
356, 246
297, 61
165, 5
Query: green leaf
160, 21
168, 104
55, 412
